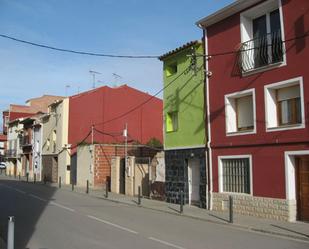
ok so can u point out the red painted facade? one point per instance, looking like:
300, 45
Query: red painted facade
267, 148
99, 107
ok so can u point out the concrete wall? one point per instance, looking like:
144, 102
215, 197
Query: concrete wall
85, 165
64, 159
115, 171
55, 138
141, 179
37, 148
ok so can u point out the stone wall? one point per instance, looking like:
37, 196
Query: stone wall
176, 178
262, 207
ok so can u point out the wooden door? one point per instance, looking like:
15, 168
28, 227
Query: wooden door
303, 188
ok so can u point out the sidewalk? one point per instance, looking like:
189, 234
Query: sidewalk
296, 230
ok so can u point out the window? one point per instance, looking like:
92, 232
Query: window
284, 105
240, 112
171, 69
288, 104
6, 121
47, 143
171, 121
261, 35
235, 174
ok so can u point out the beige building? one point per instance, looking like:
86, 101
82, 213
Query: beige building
55, 148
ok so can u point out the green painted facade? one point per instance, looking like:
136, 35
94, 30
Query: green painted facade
184, 120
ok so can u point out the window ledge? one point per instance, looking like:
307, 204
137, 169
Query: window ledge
239, 133
264, 68
285, 127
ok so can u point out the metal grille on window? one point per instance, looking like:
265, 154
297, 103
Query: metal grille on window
236, 175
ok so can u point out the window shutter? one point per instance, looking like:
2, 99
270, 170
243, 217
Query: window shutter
244, 112
288, 93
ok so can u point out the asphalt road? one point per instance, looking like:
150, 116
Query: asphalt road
50, 218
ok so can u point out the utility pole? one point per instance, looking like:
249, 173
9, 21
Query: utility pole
93, 77
92, 134
125, 134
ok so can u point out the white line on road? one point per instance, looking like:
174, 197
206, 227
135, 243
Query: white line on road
61, 206
19, 191
165, 243
37, 197
112, 224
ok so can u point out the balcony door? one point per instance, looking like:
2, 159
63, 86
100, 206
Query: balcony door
267, 39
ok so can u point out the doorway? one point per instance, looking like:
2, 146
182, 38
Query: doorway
122, 177
302, 187
194, 181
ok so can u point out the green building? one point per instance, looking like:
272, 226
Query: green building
184, 124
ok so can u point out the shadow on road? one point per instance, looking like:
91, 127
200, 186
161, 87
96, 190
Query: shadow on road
26, 209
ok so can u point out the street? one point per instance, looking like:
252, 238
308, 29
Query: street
47, 217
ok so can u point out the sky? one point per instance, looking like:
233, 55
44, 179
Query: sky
121, 27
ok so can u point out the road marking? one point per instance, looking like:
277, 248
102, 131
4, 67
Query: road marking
37, 197
165, 243
61, 206
19, 191
112, 224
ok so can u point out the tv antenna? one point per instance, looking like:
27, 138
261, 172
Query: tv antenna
93, 77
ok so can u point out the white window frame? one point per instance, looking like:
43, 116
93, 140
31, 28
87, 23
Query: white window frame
246, 29
220, 173
231, 115
271, 115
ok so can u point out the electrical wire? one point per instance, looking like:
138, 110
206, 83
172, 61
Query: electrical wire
83, 140
146, 101
131, 56
79, 52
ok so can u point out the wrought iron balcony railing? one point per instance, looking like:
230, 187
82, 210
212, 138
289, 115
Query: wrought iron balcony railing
11, 153
25, 141
261, 51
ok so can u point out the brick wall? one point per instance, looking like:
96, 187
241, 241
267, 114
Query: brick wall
103, 155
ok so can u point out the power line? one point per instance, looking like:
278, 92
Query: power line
132, 56
79, 52
147, 100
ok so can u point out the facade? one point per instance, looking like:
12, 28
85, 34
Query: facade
184, 124
13, 149
55, 149
26, 144
97, 163
258, 100
101, 108
21, 125
2, 147
98, 117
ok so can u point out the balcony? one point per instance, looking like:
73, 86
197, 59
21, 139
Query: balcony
25, 141
11, 153
261, 52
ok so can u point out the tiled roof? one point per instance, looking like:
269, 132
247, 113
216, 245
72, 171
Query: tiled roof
22, 108
2, 137
176, 50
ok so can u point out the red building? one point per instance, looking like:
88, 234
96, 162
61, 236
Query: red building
100, 116
258, 107
108, 110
